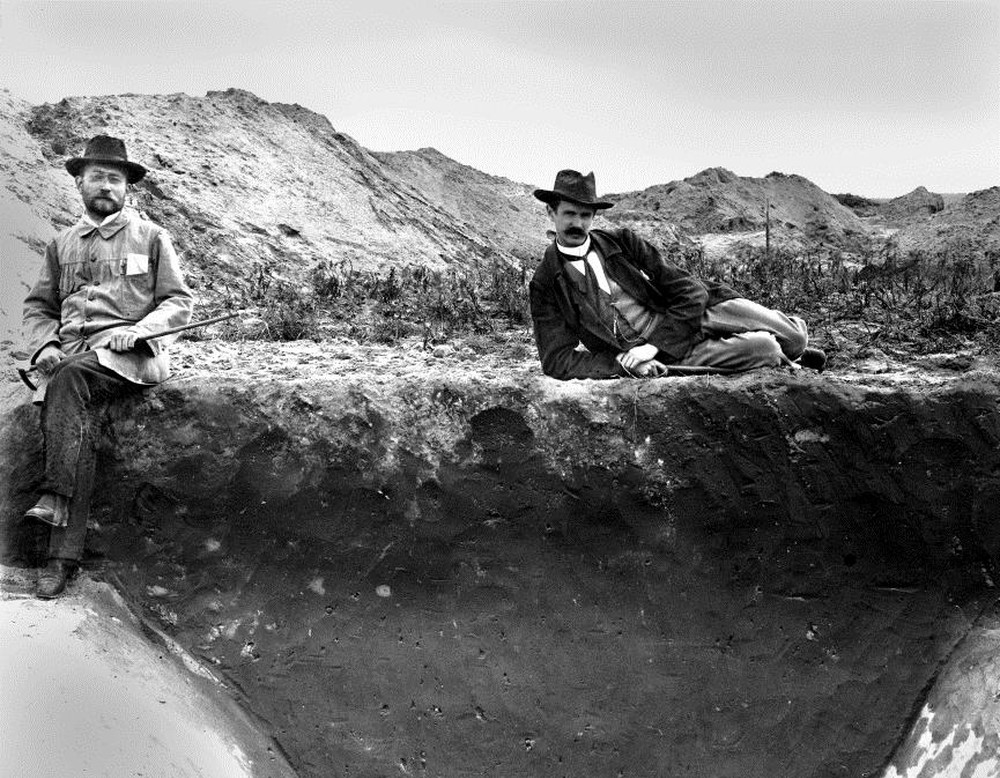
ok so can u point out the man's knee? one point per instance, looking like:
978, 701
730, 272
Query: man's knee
763, 349
76, 382
797, 339
69, 376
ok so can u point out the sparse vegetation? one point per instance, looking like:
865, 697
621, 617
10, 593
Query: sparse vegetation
917, 301
912, 302
386, 308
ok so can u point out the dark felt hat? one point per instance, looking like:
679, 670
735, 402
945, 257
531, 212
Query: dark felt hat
575, 187
108, 151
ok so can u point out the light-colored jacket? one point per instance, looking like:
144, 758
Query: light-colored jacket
97, 279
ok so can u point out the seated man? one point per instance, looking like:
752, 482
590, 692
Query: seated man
636, 313
105, 283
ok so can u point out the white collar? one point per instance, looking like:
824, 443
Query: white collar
107, 219
575, 251
585, 252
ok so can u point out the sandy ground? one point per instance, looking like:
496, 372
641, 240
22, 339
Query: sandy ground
86, 694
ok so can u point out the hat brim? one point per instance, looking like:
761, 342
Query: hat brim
549, 197
134, 172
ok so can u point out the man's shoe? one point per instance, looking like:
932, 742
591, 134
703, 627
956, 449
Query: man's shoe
53, 578
51, 509
813, 358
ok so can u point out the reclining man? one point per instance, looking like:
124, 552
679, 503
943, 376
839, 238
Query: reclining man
105, 282
637, 313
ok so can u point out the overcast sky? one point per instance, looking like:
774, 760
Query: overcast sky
864, 96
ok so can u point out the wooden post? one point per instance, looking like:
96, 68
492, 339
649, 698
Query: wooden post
767, 227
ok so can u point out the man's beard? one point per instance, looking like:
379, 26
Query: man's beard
103, 204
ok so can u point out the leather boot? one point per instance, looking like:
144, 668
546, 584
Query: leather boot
52, 580
814, 358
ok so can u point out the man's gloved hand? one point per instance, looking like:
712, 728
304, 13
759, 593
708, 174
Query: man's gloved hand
48, 358
123, 340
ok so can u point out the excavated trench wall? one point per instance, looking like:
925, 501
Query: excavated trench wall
758, 576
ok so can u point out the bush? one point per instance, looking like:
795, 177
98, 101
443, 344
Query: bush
952, 292
285, 310
385, 308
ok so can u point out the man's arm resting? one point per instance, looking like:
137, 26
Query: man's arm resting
48, 357
637, 355
683, 296
174, 301
557, 343
43, 307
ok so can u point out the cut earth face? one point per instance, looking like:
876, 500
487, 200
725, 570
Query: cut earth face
572, 222
102, 188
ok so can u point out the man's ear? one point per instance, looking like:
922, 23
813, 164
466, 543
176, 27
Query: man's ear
550, 211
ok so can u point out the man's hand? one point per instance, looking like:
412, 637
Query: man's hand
123, 340
48, 358
637, 355
650, 369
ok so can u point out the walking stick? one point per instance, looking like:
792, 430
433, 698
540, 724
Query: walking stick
24, 371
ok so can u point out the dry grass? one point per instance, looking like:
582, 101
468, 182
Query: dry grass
385, 308
918, 301
915, 302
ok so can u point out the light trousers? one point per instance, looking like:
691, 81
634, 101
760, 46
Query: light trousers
743, 335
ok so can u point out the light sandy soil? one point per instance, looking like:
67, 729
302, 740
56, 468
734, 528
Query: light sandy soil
86, 694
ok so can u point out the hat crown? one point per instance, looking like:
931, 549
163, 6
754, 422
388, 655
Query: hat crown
576, 186
573, 186
106, 147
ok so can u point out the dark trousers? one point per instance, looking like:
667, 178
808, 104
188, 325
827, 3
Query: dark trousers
77, 393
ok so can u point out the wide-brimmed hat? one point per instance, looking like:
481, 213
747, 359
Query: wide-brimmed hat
106, 150
575, 187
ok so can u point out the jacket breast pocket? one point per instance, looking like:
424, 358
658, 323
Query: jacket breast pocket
135, 286
72, 278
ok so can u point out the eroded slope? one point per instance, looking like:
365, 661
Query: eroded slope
453, 573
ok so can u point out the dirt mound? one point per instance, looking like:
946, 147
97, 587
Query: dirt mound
247, 187
500, 209
918, 205
862, 206
35, 199
972, 222
166, 715
896, 211
719, 201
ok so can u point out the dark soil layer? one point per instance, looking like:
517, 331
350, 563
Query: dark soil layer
717, 577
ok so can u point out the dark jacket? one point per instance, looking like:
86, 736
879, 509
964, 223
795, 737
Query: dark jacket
563, 317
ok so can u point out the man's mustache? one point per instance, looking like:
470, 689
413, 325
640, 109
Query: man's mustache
574, 231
